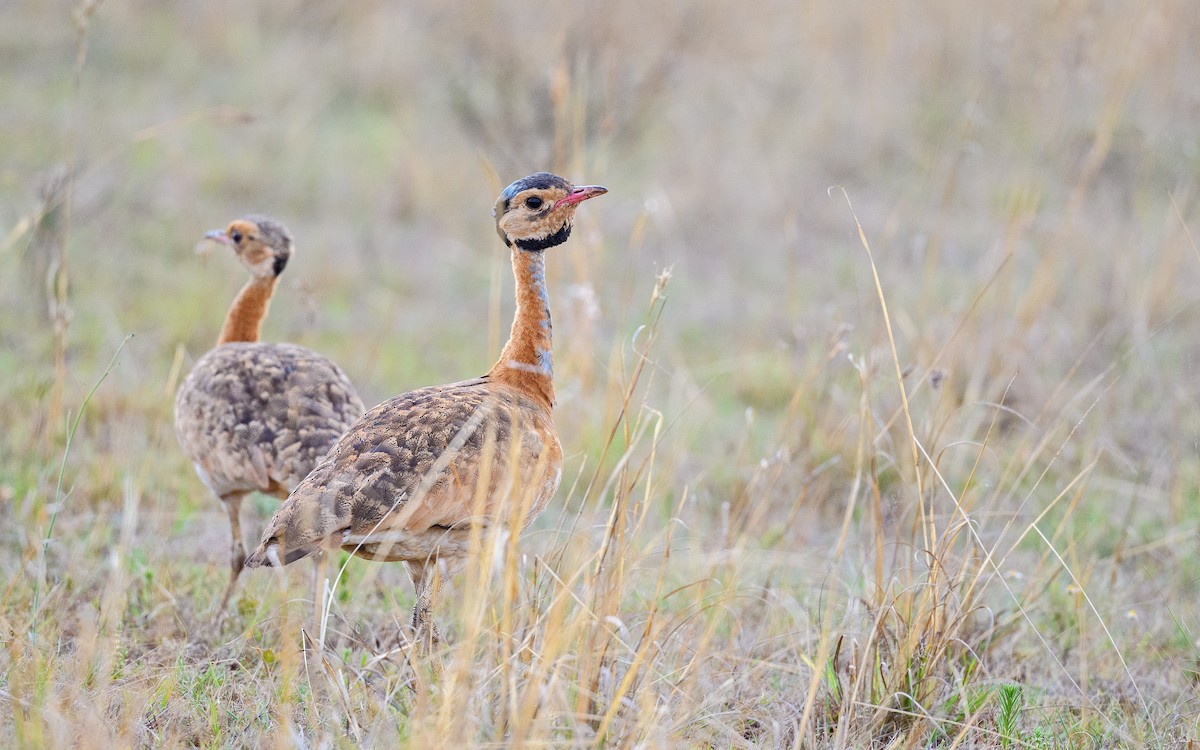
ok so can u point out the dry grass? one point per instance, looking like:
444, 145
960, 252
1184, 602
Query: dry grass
920, 473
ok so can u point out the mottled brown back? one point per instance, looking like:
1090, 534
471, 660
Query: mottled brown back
255, 416
414, 464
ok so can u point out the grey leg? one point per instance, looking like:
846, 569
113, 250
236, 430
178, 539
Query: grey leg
320, 560
428, 584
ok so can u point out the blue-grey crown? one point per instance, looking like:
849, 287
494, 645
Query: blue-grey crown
540, 180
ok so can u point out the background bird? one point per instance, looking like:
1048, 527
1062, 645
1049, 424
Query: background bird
409, 480
256, 417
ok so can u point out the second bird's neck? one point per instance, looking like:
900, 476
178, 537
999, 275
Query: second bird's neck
244, 320
526, 361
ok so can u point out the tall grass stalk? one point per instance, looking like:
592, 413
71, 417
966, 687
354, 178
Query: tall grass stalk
60, 499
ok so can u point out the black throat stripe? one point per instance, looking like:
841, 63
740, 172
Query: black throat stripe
557, 238
280, 263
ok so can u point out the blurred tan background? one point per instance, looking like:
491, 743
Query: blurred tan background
1026, 175
1061, 132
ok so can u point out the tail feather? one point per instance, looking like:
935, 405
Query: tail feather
267, 555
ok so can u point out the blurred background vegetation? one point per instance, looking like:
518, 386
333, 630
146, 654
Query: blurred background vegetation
1026, 175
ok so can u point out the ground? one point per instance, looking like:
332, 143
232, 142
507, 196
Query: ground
877, 368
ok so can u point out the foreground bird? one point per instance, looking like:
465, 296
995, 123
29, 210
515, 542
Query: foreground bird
408, 480
256, 417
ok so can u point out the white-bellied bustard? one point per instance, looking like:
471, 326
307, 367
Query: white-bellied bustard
256, 417
409, 480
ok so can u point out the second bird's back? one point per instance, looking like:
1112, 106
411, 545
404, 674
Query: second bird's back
256, 416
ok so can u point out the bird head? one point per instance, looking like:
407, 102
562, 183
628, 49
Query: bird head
261, 243
536, 212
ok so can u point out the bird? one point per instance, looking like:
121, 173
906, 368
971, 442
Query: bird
255, 416
411, 478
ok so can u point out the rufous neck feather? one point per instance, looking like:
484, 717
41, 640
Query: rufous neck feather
244, 320
526, 361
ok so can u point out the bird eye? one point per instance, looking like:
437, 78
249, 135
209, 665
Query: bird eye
236, 236
533, 202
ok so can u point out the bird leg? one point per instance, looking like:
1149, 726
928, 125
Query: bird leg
237, 550
428, 584
318, 594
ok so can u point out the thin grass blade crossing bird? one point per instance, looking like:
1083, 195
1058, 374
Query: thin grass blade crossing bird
409, 480
256, 417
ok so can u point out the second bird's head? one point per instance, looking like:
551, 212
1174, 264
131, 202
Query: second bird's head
262, 244
536, 212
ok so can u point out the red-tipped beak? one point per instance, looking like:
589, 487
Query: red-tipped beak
218, 235
580, 194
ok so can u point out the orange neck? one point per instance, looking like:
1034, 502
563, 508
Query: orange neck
244, 319
525, 362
